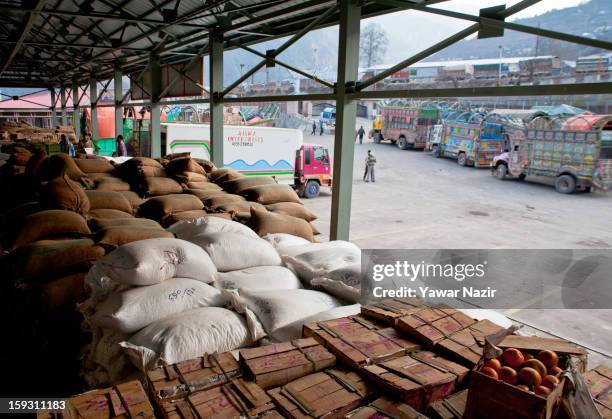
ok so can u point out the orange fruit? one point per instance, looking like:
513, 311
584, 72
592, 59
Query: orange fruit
554, 370
530, 377
550, 381
508, 375
536, 365
523, 387
513, 357
548, 358
490, 372
494, 364
528, 357
541, 391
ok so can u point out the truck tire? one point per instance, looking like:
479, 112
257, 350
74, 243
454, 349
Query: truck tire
312, 189
522, 176
462, 159
501, 171
435, 151
402, 143
377, 137
565, 184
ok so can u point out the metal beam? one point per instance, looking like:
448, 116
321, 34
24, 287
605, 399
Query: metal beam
118, 82
155, 89
29, 21
216, 94
53, 122
76, 112
63, 105
539, 90
346, 114
70, 45
93, 100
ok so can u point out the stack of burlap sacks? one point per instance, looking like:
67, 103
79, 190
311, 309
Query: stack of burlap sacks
217, 287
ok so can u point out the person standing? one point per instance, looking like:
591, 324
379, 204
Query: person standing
360, 134
314, 128
320, 127
370, 161
121, 149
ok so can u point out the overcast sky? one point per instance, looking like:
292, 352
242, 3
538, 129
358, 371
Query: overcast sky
412, 31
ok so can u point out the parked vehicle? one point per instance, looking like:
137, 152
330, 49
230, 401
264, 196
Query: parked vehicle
474, 139
578, 155
328, 116
406, 126
255, 150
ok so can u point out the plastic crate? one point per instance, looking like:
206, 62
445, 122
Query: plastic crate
105, 146
52, 148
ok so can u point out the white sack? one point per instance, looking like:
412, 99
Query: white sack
133, 309
268, 311
235, 251
151, 261
208, 225
296, 249
259, 278
186, 336
337, 261
294, 330
283, 241
337, 288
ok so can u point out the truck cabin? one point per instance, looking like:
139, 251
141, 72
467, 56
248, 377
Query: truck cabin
311, 159
601, 123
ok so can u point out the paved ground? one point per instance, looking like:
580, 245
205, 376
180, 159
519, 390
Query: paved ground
420, 202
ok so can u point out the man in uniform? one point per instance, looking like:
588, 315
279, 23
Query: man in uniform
370, 161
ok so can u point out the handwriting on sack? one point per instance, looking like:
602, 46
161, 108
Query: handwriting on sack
181, 293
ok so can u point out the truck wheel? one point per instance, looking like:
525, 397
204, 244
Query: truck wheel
435, 151
402, 143
377, 138
522, 176
565, 184
501, 172
462, 159
312, 189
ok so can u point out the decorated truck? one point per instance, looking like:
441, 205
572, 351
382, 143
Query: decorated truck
578, 154
405, 126
473, 139
257, 151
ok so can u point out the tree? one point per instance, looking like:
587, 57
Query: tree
372, 44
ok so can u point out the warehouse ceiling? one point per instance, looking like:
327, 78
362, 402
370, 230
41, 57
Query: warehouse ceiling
52, 42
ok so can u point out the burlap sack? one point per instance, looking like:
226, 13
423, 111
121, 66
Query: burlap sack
35, 164
104, 213
266, 222
184, 164
103, 223
207, 165
204, 188
20, 156
58, 164
96, 176
233, 207
64, 292
94, 165
187, 177
155, 186
193, 215
221, 175
133, 198
45, 224
239, 185
112, 184
65, 194
108, 200
204, 194
42, 259
160, 207
143, 161
293, 209
271, 194
150, 171
116, 236
216, 200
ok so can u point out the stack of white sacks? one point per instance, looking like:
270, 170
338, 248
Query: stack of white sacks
215, 288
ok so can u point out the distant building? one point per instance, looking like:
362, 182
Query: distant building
594, 64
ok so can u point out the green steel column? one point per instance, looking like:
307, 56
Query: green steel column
53, 121
346, 114
76, 113
93, 98
216, 107
155, 89
118, 84
63, 105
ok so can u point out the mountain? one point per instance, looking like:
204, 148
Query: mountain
592, 20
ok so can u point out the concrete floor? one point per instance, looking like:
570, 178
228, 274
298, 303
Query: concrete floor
419, 202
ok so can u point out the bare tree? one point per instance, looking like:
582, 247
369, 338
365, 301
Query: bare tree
372, 45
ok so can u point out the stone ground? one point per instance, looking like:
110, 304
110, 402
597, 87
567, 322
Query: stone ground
419, 202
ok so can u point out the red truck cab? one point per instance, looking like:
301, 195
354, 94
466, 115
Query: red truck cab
312, 170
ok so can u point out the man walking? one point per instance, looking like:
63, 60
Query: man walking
321, 127
314, 128
360, 134
370, 161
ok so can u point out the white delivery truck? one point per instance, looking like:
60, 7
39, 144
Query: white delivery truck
250, 150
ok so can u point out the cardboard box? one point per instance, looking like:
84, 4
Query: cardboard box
431, 325
599, 382
416, 379
389, 310
202, 373
330, 394
277, 364
385, 407
452, 407
357, 341
237, 399
123, 400
467, 345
